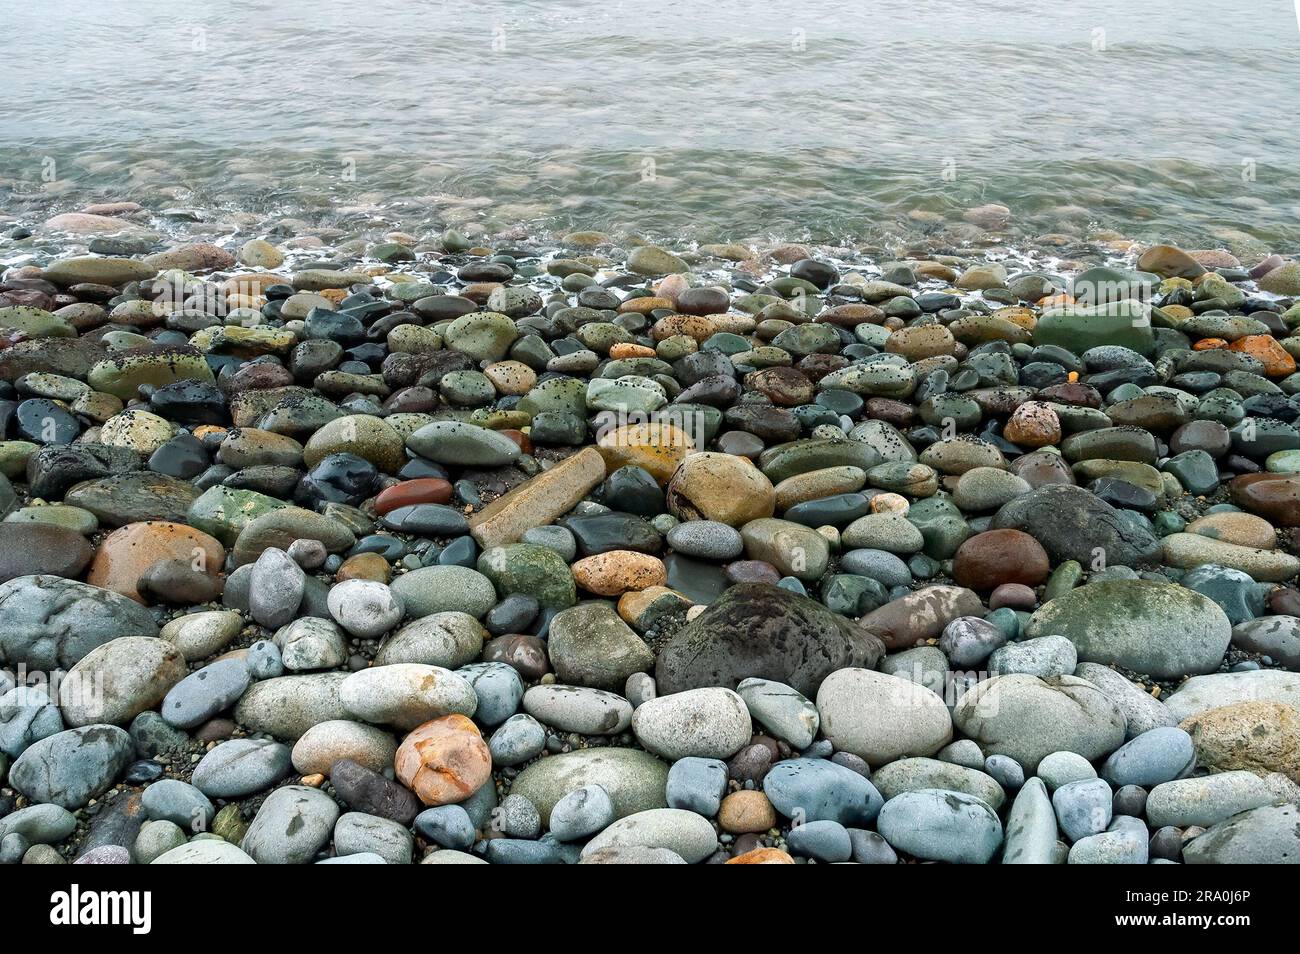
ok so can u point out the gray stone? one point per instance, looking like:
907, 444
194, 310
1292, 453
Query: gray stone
697, 785
1110, 848
1142, 711
180, 803
205, 693
705, 723
293, 824
311, 643
275, 588
583, 812
242, 767
287, 706
356, 833
47, 622
590, 645
519, 739
813, 789
1160, 755
449, 640
684, 833
1083, 808
635, 780
405, 695
782, 710
1044, 657
1265, 835
74, 766
365, 608
937, 825
499, 690
578, 709
1029, 718
1031, 827
881, 718
1210, 799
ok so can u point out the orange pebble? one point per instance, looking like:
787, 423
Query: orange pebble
1055, 300
762, 856
628, 349
1209, 344
1277, 362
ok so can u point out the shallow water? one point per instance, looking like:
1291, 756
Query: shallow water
1171, 119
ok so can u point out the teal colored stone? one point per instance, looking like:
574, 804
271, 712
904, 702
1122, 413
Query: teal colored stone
1167, 522
1063, 579
1283, 462
224, 511
1006, 620
942, 526
1196, 470
852, 595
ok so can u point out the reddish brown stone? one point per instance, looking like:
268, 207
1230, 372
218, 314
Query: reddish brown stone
1275, 497
411, 492
988, 560
1042, 467
1072, 392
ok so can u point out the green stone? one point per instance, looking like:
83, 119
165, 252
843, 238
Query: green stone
534, 570
224, 511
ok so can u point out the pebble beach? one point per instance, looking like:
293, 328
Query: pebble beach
355, 543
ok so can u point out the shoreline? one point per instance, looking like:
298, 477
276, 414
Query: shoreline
544, 548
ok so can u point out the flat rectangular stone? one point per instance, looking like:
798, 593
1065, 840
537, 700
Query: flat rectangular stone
540, 501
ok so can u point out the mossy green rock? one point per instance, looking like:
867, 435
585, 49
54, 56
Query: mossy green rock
35, 322
484, 335
636, 781
1079, 328
1160, 629
537, 571
224, 511
653, 260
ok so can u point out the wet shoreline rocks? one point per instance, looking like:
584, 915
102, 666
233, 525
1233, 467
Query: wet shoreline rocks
368, 547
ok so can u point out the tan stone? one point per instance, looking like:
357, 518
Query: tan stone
1033, 424
816, 484
364, 566
1259, 737
1243, 529
746, 811
511, 377
615, 572
722, 487
762, 856
657, 447
539, 501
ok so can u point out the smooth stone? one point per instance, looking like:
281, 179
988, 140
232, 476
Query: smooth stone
291, 826
579, 709
816, 789
1160, 629
938, 825
1028, 718
72, 767
703, 723
635, 780
782, 710
684, 833
881, 718
241, 767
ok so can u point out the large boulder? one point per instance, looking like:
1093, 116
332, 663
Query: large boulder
47, 622
759, 630
1161, 629
1028, 718
1075, 524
